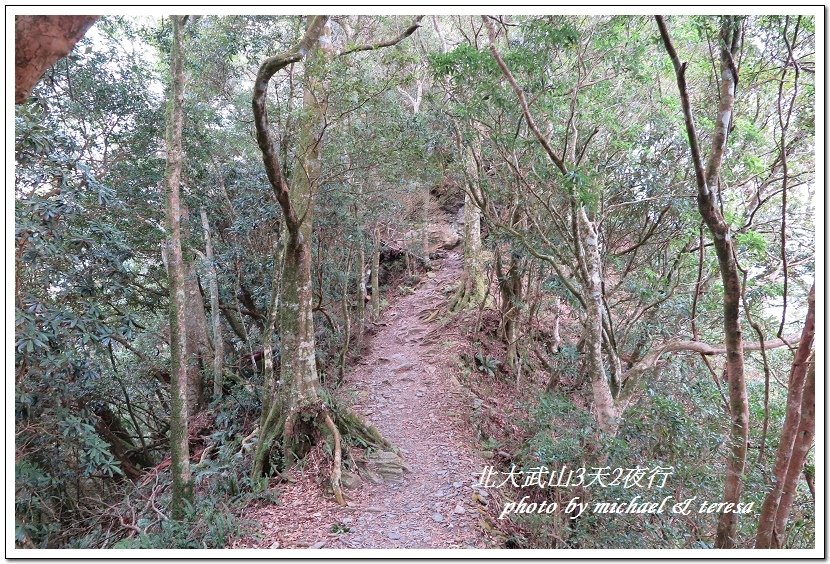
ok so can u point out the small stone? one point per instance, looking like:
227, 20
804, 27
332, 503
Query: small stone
457, 485
393, 535
437, 517
459, 509
318, 544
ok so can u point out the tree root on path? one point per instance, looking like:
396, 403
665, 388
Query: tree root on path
336, 471
342, 423
468, 294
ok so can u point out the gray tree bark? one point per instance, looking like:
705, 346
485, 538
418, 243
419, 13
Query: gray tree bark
182, 490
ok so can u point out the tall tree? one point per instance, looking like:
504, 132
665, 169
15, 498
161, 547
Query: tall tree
708, 178
293, 406
182, 492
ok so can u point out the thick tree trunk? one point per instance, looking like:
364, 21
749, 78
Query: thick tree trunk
182, 491
472, 287
298, 390
294, 411
39, 41
784, 454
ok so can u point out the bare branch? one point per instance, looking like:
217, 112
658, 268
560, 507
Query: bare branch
265, 138
416, 23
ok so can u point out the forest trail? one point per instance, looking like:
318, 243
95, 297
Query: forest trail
405, 385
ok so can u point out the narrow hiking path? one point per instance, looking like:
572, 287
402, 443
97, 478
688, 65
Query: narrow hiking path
405, 385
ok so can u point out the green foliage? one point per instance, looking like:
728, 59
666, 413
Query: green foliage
753, 242
486, 364
207, 524
91, 324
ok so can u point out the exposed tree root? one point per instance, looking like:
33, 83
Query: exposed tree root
336, 470
296, 433
469, 294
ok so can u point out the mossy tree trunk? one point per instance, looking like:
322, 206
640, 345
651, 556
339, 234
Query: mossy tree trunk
182, 491
473, 287
294, 411
298, 388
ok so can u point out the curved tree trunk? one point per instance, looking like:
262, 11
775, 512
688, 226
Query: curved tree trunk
39, 41
294, 409
298, 386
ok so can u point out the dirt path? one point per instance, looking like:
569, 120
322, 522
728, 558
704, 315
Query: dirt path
404, 385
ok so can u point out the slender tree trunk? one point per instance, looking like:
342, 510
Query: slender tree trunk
182, 492
269, 420
216, 320
295, 414
784, 454
803, 442
708, 187
197, 341
361, 297
374, 276
347, 318
587, 241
